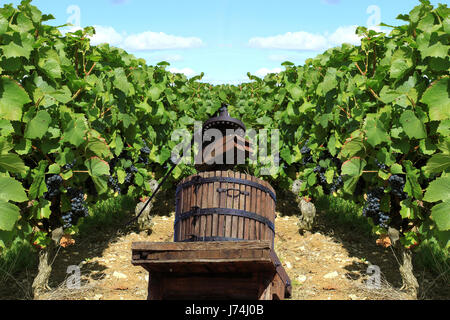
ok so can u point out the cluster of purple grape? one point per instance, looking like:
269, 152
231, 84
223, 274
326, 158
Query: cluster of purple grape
131, 171
306, 153
69, 166
397, 184
143, 157
78, 208
372, 208
380, 165
53, 183
338, 182
113, 183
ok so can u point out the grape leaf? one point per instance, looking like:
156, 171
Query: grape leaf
12, 99
440, 213
438, 190
438, 100
12, 190
9, 214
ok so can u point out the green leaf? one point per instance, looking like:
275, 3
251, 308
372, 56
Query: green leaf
353, 146
12, 99
121, 81
43, 211
12, 163
440, 213
376, 134
119, 145
49, 62
352, 170
20, 45
401, 63
99, 147
412, 186
76, 132
23, 23
438, 100
413, 127
101, 184
3, 24
396, 169
38, 187
155, 93
296, 92
97, 167
438, 163
9, 214
438, 190
12, 190
38, 126
286, 155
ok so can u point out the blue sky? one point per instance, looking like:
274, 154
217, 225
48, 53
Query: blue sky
225, 39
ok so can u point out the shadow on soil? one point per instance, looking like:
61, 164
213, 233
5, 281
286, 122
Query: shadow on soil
353, 233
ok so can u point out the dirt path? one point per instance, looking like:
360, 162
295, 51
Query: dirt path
321, 266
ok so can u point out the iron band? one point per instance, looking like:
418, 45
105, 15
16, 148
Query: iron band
196, 212
197, 181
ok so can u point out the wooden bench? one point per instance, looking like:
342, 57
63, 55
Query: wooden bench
247, 270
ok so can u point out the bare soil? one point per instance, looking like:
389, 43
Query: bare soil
325, 264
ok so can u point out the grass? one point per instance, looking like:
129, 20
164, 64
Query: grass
429, 255
108, 214
344, 213
18, 257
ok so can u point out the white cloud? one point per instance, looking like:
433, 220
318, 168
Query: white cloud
261, 73
344, 35
188, 72
305, 41
145, 41
159, 41
107, 35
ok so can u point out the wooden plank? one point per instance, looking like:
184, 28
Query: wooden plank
260, 226
183, 208
253, 223
195, 246
222, 204
209, 204
201, 287
213, 255
229, 204
282, 273
235, 205
247, 204
207, 266
201, 195
216, 197
155, 289
241, 220
278, 288
265, 228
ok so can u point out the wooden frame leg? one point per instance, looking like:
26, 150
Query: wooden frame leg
154, 287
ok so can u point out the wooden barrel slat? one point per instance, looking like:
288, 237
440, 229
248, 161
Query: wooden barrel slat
222, 204
229, 204
215, 218
209, 204
235, 205
241, 221
247, 208
252, 207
